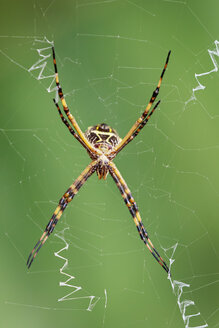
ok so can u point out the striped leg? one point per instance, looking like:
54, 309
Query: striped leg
133, 209
139, 124
139, 128
70, 128
67, 112
66, 198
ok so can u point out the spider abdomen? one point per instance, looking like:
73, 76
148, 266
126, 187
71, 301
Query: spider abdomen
103, 137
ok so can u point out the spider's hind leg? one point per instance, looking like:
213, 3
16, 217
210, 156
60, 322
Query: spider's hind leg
66, 198
133, 209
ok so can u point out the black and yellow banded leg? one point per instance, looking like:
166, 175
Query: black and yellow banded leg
136, 132
71, 130
139, 122
133, 209
67, 111
66, 198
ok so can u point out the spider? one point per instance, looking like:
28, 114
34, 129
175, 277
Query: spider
102, 144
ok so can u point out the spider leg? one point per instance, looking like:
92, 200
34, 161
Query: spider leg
67, 111
140, 127
66, 198
133, 209
71, 130
139, 124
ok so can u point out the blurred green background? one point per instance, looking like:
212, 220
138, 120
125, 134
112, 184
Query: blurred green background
110, 55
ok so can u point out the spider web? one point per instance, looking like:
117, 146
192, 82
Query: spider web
110, 55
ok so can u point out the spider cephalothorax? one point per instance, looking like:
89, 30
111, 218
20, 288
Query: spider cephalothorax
102, 144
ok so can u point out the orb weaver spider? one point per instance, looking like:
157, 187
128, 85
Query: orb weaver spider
102, 144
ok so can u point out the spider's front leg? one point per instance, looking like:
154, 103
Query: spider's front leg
133, 209
143, 119
79, 135
66, 198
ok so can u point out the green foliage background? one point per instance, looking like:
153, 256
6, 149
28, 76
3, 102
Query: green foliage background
110, 55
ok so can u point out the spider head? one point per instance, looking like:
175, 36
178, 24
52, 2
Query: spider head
102, 136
